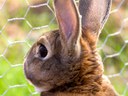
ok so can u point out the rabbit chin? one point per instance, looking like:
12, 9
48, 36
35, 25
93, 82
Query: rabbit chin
42, 89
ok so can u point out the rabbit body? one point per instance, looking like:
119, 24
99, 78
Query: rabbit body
88, 80
65, 62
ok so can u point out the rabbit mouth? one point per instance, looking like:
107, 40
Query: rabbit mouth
40, 86
45, 88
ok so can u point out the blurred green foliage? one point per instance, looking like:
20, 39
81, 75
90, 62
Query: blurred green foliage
17, 36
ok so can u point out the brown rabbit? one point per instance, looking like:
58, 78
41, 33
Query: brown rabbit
65, 62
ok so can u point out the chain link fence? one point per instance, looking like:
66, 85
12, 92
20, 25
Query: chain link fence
23, 21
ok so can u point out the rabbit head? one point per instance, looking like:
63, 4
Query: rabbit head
63, 56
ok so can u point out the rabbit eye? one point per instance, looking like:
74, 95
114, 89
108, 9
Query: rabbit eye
43, 51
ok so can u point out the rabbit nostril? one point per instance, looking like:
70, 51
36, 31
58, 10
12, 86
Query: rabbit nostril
29, 76
43, 51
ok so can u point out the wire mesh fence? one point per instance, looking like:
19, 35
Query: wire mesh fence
23, 21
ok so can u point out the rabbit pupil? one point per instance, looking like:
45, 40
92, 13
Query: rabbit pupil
43, 51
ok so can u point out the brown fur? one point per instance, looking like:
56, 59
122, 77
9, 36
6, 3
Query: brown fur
87, 73
73, 66
90, 80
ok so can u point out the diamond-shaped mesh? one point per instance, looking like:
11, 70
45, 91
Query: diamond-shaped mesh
23, 21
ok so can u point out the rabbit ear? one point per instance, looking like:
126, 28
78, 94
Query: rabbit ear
94, 15
69, 22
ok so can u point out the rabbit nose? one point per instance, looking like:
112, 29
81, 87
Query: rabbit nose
30, 76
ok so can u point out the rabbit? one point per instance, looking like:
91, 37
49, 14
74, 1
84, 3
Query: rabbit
65, 62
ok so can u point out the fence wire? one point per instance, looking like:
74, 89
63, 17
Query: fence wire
23, 21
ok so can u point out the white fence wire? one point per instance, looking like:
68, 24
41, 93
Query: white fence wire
23, 21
